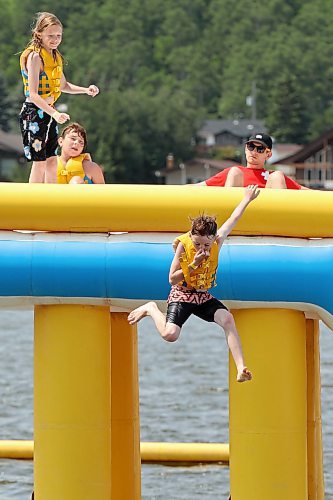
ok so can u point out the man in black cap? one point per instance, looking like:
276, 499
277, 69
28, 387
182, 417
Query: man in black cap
258, 149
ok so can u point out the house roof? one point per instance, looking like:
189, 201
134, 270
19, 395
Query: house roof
11, 143
241, 127
282, 151
309, 149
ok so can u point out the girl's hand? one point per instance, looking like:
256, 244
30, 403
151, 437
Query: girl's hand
92, 90
60, 117
251, 192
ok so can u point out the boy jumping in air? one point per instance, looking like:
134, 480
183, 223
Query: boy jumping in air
192, 274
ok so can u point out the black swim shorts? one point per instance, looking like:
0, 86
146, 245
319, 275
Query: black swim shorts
39, 133
179, 312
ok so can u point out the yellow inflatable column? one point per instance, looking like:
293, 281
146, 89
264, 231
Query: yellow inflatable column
315, 447
72, 456
268, 416
126, 460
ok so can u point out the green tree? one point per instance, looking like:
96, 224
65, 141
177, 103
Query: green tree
5, 106
286, 116
164, 66
138, 131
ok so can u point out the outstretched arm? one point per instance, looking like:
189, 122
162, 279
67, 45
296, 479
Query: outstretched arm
70, 88
251, 193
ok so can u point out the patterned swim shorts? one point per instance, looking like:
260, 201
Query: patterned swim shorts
39, 133
183, 302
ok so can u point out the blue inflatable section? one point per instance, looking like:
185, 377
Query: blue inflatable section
131, 270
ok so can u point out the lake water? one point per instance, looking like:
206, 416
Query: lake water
183, 397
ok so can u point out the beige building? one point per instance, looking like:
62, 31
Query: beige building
311, 165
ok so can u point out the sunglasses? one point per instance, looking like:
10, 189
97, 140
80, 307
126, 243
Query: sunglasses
251, 147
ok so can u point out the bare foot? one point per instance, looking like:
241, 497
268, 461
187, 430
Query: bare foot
244, 375
138, 313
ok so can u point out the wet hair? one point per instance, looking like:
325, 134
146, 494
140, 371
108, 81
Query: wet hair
78, 129
43, 21
204, 225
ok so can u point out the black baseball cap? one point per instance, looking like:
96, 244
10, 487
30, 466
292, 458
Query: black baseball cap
262, 138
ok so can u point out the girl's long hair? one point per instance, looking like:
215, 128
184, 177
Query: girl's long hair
43, 21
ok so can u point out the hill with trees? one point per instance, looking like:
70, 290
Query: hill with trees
163, 66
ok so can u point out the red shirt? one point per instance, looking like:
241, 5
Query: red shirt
257, 176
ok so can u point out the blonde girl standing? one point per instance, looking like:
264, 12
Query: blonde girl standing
43, 80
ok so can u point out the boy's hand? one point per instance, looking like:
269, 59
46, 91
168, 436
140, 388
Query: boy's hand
251, 192
199, 257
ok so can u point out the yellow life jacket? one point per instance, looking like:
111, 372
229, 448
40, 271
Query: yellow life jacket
203, 277
49, 78
73, 168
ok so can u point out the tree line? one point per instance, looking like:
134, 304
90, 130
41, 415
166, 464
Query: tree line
163, 66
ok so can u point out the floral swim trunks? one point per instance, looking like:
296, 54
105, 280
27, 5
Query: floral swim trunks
39, 133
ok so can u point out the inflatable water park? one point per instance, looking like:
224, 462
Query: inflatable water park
82, 258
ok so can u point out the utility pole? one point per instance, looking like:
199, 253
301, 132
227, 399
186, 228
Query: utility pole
254, 100
251, 100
